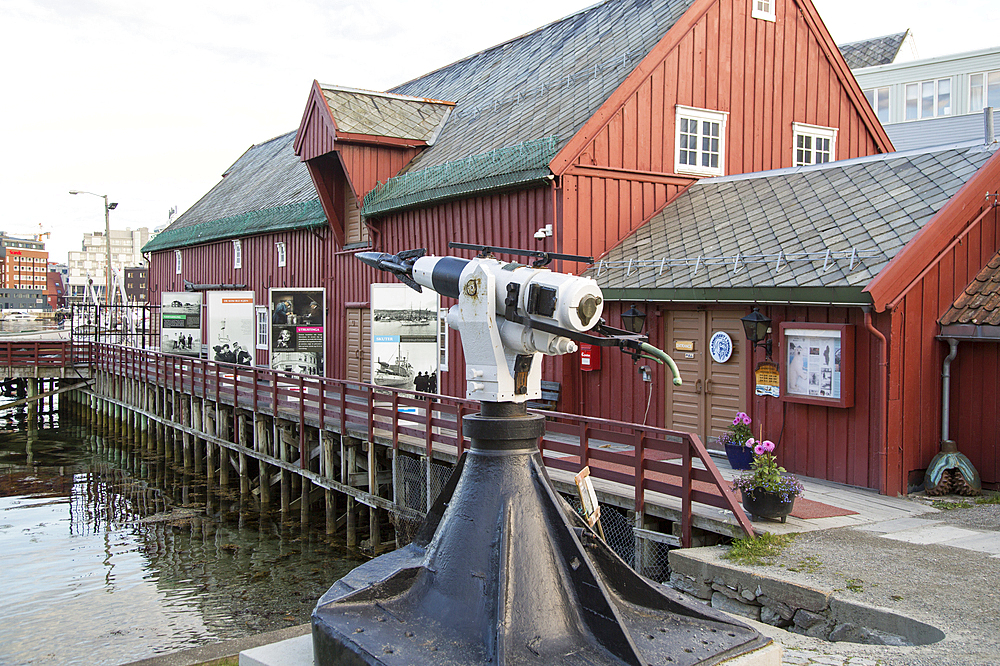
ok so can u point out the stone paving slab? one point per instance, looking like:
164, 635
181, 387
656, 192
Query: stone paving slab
934, 533
984, 542
897, 525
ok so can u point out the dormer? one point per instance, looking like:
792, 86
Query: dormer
353, 139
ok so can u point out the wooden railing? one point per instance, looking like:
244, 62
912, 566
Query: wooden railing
43, 353
645, 458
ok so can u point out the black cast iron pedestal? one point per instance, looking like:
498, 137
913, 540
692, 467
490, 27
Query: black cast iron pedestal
505, 572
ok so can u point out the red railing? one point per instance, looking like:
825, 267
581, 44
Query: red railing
650, 460
43, 353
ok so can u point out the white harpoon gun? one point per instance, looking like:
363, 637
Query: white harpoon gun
508, 314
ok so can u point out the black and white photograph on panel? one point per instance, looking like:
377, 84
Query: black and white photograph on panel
230, 327
405, 338
180, 323
298, 329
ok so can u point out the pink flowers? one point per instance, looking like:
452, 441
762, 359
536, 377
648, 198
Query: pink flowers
763, 447
741, 419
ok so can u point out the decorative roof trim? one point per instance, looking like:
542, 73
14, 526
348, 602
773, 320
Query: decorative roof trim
513, 166
304, 215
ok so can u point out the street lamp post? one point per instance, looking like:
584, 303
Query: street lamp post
108, 207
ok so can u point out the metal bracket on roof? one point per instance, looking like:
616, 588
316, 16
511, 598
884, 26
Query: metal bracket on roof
663, 262
736, 263
777, 264
826, 261
628, 271
697, 265
600, 267
854, 257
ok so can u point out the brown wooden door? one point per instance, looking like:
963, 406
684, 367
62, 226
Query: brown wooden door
359, 347
712, 392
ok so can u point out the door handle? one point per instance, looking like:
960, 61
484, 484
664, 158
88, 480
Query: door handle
697, 386
708, 386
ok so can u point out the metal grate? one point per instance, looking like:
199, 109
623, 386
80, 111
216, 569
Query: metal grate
411, 480
504, 167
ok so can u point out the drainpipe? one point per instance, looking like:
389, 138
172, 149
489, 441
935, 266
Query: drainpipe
883, 394
946, 388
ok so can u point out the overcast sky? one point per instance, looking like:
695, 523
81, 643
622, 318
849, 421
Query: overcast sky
150, 102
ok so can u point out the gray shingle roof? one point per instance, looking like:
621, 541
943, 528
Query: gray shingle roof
267, 189
833, 225
546, 83
379, 114
871, 52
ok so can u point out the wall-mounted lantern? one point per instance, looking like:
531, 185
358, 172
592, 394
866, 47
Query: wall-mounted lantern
756, 327
633, 320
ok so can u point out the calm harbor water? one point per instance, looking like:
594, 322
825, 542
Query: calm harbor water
107, 557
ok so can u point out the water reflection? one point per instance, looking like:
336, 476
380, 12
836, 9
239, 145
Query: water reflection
109, 556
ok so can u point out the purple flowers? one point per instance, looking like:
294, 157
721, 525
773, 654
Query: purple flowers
739, 433
766, 474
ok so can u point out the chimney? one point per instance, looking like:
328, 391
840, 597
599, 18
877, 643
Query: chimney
988, 125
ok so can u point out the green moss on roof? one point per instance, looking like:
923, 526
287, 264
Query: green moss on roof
502, 168
304, 215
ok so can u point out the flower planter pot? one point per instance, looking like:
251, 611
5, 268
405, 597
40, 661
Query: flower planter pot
761, 503
739, 456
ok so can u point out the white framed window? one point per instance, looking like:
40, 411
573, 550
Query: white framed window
984, 90
177, 258
282, 257
237, 254
928, 99
813, 144
263, 329
443, 339
700, 141
762, 9
879, 99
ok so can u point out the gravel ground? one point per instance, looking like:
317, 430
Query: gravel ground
953, 589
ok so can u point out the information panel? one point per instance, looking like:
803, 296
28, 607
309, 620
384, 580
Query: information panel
180, 322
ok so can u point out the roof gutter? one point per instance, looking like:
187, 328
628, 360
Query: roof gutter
831, 296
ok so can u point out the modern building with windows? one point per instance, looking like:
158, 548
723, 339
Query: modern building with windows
23, 273
934, 101
90, 262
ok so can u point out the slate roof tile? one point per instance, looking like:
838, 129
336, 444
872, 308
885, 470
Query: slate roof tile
871, 52
771, 212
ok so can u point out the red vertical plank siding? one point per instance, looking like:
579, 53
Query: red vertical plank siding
765, 75
917, 363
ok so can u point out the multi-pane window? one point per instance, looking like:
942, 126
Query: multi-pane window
813, 144
984, 90
762, 9
177, 258
700, 142
928, 99
237, 254
263, 326
879, 99
280, 245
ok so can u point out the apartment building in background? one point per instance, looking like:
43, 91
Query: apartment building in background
91, 261
23, 273
935, 101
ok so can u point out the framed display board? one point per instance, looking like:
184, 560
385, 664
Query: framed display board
816, 362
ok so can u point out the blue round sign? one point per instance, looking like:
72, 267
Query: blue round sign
720, 347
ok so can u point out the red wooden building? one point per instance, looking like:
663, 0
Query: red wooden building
868, 253
603, 125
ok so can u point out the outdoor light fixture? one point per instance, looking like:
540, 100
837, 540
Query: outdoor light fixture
633, 320
107, 237
756, 327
